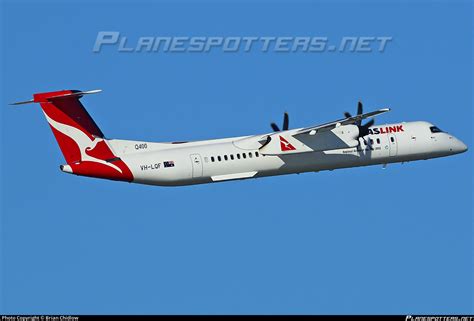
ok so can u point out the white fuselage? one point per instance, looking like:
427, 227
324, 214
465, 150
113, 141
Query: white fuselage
175, 164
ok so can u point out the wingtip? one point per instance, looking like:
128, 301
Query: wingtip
77, 93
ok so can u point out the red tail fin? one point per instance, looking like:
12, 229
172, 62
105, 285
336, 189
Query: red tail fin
81, 141
61, 108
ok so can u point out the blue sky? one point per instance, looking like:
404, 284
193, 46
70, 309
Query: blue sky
363, 240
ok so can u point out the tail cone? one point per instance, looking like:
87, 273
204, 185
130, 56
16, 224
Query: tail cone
65, 168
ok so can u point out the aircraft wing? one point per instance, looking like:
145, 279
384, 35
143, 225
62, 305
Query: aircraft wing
345, 121
338, 134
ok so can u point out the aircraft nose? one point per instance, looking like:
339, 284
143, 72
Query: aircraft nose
458, 146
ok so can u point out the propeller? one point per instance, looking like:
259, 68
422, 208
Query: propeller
285, 123
363, 129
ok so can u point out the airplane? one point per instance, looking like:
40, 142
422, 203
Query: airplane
338, 144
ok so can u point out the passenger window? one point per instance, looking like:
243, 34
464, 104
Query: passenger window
392, 139
378, 140
219, 158
371, 141
232, 156
244, 155
212, 159
238, 156
250, 155
256, 154
225, 157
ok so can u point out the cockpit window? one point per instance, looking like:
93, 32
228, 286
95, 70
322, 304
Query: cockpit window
435, 129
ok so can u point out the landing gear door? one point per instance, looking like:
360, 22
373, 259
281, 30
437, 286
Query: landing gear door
392, 143
196, 162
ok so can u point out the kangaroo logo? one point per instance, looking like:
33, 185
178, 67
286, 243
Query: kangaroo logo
285, 145
83, 142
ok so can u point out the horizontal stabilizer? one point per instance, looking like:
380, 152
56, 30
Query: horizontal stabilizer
37, 98
23, 102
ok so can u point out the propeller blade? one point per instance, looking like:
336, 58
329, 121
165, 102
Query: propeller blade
360, 111
347, 115
370, 123
364, 130
286, 121
275, 127
359, 108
